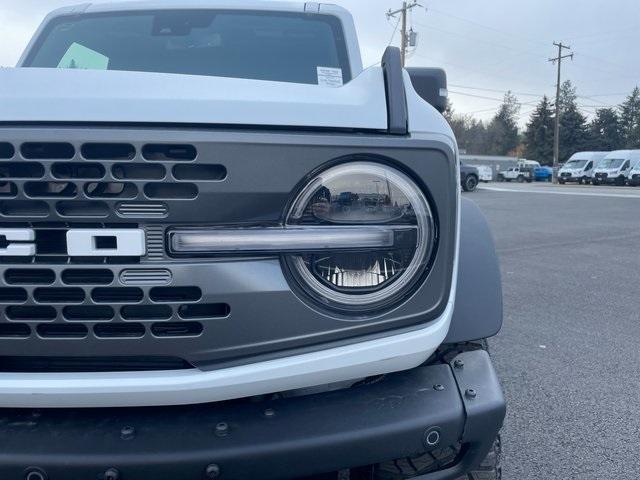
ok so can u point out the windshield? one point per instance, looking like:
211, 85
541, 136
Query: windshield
579, 164
274, 46
611, 163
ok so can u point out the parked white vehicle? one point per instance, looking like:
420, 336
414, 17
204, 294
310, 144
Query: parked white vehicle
615, 167
485, 173
633, 175
579, 168
520, 174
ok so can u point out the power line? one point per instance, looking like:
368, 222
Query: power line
496, 90
404, 40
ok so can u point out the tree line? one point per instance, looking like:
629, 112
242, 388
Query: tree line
611, 128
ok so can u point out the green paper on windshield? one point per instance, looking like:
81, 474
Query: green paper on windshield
81, 57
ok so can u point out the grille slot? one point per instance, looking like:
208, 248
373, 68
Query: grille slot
142, 210
47, 150
119, 330
14, 330
62, 330
51, 189
200, 172
21, 170
82, 209
31, 313
87, 277
168, 152
13, 295
177, 329
6, 150
146, 312
88, 171
59, 295
147, 276
88, 313
139, 171
175, 294
26, 364
204, 311
110, 190
8, 189
108, 151
29, 276
24, 208
171, 191
117, 295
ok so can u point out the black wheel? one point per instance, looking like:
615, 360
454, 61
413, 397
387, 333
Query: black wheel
520, 179
620, 181
470, 183
560, 181
529, 180
411, 467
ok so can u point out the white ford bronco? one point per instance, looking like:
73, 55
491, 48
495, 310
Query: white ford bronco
229, 251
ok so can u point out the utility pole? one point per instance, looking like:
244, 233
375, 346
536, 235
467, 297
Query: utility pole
556, 138
404, 41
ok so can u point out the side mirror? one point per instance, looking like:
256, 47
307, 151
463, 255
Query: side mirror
431, 85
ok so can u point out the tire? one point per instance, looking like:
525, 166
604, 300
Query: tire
520, 179
407, 468
470, 183
561, 182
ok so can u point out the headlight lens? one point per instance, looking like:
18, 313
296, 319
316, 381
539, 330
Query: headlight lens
359, 194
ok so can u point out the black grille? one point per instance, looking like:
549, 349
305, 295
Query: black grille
75, 303
63, 181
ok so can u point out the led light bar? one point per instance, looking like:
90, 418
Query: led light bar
296, 239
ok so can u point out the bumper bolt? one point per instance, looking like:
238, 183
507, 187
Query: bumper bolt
438, 387
269, 413
212, 471
222, 429
471, 393
458, 363
111, 474
127, 433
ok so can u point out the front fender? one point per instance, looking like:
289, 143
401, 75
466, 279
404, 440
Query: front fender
478, 303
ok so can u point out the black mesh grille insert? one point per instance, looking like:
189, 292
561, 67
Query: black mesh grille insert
200, 172
117, 295
119, 330
146, 312
14, 330
29, 276
59, 295
177, 329
6, 150
21, 170
139, 171
87, 276
171, 191
47, 150
51, 189
82, 209
62, 330
89, 171
204, 310
13, 295
169, 152
31, 313
108, 151
24, 208
175, 294
88, 313
110, 190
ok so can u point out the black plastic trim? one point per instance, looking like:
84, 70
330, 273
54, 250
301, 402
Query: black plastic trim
397, 110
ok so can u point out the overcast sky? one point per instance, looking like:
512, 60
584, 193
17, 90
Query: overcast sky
487, 47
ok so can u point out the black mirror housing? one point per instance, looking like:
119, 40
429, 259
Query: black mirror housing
431, 85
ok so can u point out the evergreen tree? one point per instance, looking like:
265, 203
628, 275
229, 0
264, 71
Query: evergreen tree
630, 120
538, 137
605, 131
502, 131
574, 133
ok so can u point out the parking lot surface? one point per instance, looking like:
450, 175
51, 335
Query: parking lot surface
568, 354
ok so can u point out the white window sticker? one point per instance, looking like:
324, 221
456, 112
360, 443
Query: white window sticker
81, 57
330, 77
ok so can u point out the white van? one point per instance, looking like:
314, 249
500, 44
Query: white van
615, 167
579, 168
633, 174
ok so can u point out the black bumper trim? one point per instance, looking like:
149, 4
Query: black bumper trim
278, 439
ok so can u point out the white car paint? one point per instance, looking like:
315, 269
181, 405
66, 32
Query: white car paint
617, 166
579, 168
82, 96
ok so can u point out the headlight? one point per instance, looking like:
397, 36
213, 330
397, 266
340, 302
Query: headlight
363, 195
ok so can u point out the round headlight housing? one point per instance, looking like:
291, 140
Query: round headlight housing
360, 194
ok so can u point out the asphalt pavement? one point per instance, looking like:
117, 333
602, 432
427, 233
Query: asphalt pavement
568, 354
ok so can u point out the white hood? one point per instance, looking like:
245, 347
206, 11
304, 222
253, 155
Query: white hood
58, 95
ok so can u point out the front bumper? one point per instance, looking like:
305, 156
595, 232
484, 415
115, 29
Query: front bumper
275, 439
